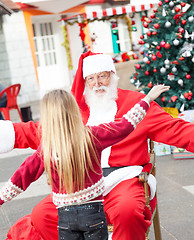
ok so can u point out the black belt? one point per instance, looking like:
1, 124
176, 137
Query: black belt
108, 170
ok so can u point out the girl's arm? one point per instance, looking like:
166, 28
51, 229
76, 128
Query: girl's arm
28, 172
109, 134
19, 135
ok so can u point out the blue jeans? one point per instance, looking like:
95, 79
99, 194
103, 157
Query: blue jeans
82, 222
3, 103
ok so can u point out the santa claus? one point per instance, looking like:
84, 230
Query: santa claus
124, 203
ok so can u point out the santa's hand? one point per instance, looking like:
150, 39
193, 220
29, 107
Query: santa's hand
155, 92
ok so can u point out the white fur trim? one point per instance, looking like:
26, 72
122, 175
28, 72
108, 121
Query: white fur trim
9, 191
7, 136
80, 197
125, 173
97, 63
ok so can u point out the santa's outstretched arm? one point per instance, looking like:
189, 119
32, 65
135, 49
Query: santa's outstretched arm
19, 135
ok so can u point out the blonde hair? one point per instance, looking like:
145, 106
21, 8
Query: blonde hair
66, 143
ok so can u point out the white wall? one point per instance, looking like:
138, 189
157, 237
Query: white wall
19, 56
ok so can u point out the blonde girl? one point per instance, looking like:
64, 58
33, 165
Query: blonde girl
70, 155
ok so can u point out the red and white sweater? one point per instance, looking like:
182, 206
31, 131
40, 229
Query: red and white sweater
105, 135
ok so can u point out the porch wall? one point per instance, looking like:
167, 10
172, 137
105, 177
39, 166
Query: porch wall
18, 58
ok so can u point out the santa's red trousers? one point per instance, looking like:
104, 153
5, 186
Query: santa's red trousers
124, 207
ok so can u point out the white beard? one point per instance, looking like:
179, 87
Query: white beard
102, 106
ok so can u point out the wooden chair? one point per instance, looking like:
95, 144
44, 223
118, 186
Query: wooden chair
12, 93
151, 206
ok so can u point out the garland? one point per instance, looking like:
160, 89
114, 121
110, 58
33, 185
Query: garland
66, 45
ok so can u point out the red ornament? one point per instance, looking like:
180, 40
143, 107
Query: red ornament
183, 4
147, 73
149, 33
145, 24
167, 46
149, 20
154, 33
181, 58
188, 76
186, 95
177, 9
181, 30
141, 42
158, 47
158, 54
156, 25
155, 10
183, 22
148, 62
138, 66
189, 98
154, 58
142, 36
190, 93
152, 15
141, 52
162, 44
150, 85
160, 3
166, 1
174, 98
155, 70
163, 99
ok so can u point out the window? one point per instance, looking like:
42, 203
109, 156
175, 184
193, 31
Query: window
44, 44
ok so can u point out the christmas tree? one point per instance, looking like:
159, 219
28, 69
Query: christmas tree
168, 53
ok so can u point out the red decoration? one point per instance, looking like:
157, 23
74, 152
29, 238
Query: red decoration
158, 54
183, 4
186, 95
163, 99
152, 15
150, 85
156, 25
166, 1
141, 52
181, 30
181, 58
125, 57
160, 3
147, 73
190, 93
154, 58
162, 44
177, 9
183, 22
138, 66
154, 33
145, 24
82, 34
148, 62
155, 10
155, 70
149, 33
167, 46
174, 98
149, 20
158, 47
142, 36
188, 76
189, 98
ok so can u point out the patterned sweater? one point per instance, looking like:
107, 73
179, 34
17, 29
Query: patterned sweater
105, 135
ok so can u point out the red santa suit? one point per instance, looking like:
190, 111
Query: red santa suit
125, 204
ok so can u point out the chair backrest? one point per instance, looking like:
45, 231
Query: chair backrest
12, 93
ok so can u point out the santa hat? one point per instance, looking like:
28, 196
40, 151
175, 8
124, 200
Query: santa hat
90, 63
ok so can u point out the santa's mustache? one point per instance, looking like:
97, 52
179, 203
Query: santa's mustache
95, 89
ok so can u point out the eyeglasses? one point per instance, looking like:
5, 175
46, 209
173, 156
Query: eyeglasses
100, 77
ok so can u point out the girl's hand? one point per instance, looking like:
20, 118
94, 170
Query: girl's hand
155, 92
